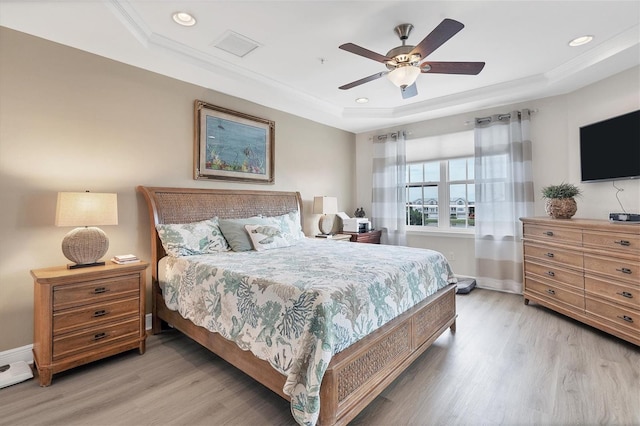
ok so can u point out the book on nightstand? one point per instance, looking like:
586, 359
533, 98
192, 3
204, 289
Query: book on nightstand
125, 259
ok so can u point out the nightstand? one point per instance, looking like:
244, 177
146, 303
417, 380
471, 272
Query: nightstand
371, 237
82, 315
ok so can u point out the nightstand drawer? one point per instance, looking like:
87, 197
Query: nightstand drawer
95, 291
88, 340
90, 315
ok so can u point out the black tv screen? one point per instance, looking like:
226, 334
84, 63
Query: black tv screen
610, 149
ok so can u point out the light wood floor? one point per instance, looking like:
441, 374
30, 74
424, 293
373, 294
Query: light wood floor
507, 364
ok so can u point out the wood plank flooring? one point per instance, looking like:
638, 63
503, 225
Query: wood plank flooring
507, 364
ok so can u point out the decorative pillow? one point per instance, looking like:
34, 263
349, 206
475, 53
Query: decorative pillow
266, 237
235, 233
289, 225
187, 239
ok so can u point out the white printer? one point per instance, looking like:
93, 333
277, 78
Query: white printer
356, 224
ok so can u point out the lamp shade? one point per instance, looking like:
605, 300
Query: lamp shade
86, 209
404, 76
325, 205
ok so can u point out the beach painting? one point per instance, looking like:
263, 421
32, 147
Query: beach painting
231, 145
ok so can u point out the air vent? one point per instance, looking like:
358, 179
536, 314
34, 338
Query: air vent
236, 44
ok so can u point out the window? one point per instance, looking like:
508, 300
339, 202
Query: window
430, 182
441, 191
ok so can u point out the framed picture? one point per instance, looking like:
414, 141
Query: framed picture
230, 145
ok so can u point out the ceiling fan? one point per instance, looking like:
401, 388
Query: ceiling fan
404, 62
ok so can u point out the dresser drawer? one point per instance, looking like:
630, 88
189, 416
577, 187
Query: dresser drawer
624, 243
93, 338
620, 269
555, 274
621, 316
616, 293
555, 293
91, 315
553, 233
95, 291
552, 255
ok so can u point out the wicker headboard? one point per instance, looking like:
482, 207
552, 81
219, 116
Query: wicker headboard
184, 205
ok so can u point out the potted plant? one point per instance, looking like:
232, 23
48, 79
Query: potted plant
560, 203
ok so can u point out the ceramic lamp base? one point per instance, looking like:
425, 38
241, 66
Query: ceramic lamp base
326, 224
85, 246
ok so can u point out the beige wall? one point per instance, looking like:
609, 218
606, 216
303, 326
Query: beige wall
556, 155
73, 121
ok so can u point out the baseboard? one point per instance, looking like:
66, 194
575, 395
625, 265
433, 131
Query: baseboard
17, 354
24, 353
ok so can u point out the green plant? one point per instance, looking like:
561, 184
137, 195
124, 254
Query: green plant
564, 190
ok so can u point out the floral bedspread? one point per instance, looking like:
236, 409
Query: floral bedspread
297, 306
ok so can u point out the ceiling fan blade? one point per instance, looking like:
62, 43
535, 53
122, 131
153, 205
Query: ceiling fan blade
409, 91
470, 68
363, 80
443, 32
353, 48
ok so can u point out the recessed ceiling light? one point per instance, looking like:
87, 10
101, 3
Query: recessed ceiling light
579, 41
184, 18
362, 100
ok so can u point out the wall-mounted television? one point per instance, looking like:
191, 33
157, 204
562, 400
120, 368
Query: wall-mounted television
610, 149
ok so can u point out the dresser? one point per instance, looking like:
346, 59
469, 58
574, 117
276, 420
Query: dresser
586, 269
371, 237
82, 315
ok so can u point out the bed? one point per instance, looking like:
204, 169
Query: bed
354, 374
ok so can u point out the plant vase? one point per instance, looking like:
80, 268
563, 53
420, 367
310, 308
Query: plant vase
561, 208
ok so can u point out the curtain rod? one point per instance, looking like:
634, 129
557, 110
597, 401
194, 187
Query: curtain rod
500, 117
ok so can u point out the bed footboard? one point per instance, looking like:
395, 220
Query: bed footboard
357, 375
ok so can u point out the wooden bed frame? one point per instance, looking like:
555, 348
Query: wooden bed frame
356, 375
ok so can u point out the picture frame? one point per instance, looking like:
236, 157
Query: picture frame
234, 146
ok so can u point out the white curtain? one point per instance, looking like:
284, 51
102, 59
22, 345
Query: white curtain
389, 193
504, 193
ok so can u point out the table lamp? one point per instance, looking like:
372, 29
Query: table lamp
325, 206
86, 244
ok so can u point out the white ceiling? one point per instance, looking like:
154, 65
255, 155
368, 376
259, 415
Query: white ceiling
298, 67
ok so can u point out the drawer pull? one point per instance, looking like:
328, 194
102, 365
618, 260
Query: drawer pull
551, 273
100, 313
552, 292
623, 242
626, 318
99, 290
99, 336
549, 255
624, 270
548, 233
625, 294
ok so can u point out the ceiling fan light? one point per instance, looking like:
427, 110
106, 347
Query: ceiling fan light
404, 76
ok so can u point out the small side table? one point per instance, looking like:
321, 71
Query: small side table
371, 237
82, 315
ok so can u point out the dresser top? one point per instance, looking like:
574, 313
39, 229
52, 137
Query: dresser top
591, 224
